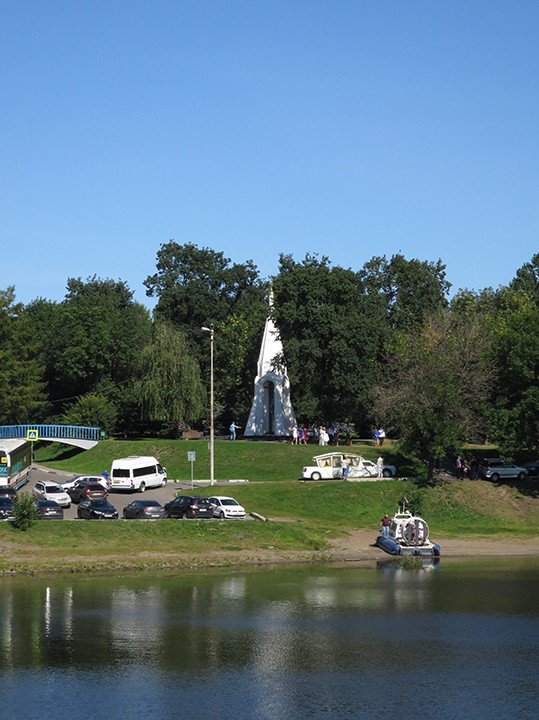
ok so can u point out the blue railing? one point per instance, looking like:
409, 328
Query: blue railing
51, 432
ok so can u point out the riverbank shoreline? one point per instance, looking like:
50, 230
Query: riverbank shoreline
356, 547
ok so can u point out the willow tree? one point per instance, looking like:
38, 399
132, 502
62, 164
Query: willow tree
169, 388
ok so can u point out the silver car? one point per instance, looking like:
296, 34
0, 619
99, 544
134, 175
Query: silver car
496, 468
44, 490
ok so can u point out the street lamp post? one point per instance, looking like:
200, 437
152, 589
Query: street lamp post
210, 331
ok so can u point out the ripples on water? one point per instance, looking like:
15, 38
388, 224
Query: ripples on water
458, 641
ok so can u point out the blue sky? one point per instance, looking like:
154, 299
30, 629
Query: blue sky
347, 128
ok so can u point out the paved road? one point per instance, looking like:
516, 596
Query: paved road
121, 499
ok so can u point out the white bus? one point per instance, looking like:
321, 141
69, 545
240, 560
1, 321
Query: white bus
137, 473
15, 462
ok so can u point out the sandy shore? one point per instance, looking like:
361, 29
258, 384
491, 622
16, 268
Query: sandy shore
357, 547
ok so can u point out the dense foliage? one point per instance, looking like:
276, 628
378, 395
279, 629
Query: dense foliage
376, 344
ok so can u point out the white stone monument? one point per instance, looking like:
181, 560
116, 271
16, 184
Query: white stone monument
271, 412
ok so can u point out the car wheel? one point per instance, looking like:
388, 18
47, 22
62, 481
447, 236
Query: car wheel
521, 476
494, 477
386, 473
316, 476
164, 482
222, 515
142, 487
184, 516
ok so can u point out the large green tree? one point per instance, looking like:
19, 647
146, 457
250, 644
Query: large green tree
410, 290
434, 392
169, 387
332, 331
22, 396
198, 287
514, 329
91, 343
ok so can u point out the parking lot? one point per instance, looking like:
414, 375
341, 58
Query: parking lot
121, 498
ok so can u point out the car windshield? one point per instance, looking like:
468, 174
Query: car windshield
229, 501
147, 503
6, 502
53, 489
101, 504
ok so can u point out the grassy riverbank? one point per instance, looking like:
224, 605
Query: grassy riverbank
304, 519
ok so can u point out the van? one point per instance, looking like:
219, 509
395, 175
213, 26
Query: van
137, 473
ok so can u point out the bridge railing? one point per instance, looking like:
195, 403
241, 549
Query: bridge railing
51, 432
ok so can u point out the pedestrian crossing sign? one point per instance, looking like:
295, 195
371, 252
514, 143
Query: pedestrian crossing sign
32, 435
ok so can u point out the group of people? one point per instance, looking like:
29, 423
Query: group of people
379, 436
323, 435
467, 468
300, 436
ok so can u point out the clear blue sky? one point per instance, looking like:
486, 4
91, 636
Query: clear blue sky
347, 128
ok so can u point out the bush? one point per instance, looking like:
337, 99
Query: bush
25, 511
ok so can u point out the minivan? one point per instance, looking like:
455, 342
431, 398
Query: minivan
137, 473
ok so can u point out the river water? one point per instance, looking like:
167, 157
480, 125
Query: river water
456, 640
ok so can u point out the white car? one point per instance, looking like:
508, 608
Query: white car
226, 507
44, 490
329, 467
77, 479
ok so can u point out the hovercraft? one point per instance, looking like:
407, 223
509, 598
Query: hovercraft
408, 535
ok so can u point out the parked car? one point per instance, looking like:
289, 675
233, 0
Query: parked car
48, 509
8, 491
532, 468
226, 507
496, 468
189, 506
46, 490
82, 490
105, 482
96, 509
328, 467
7, 511
144, 510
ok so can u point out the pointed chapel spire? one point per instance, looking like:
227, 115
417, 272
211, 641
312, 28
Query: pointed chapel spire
271, 412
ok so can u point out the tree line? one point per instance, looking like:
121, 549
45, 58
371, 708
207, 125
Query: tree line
381, 344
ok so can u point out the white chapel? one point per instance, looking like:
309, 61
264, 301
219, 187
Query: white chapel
271, 412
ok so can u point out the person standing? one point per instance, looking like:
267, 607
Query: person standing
381, 436
380, 466
458, 466
344, 469
385, 522
233, 427
295, 435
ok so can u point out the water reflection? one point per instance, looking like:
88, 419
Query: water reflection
287, 643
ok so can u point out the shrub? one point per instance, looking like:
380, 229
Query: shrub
25, 511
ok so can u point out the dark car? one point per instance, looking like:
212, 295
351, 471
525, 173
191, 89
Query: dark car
48, 510
96, 509
144, 510
84, 490
532, 468
8, 491
6, 508
189, 506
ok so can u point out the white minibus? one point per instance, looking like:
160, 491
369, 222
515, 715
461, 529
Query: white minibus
137, 473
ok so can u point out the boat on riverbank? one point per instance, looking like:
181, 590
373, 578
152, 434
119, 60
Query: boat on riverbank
408, 535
